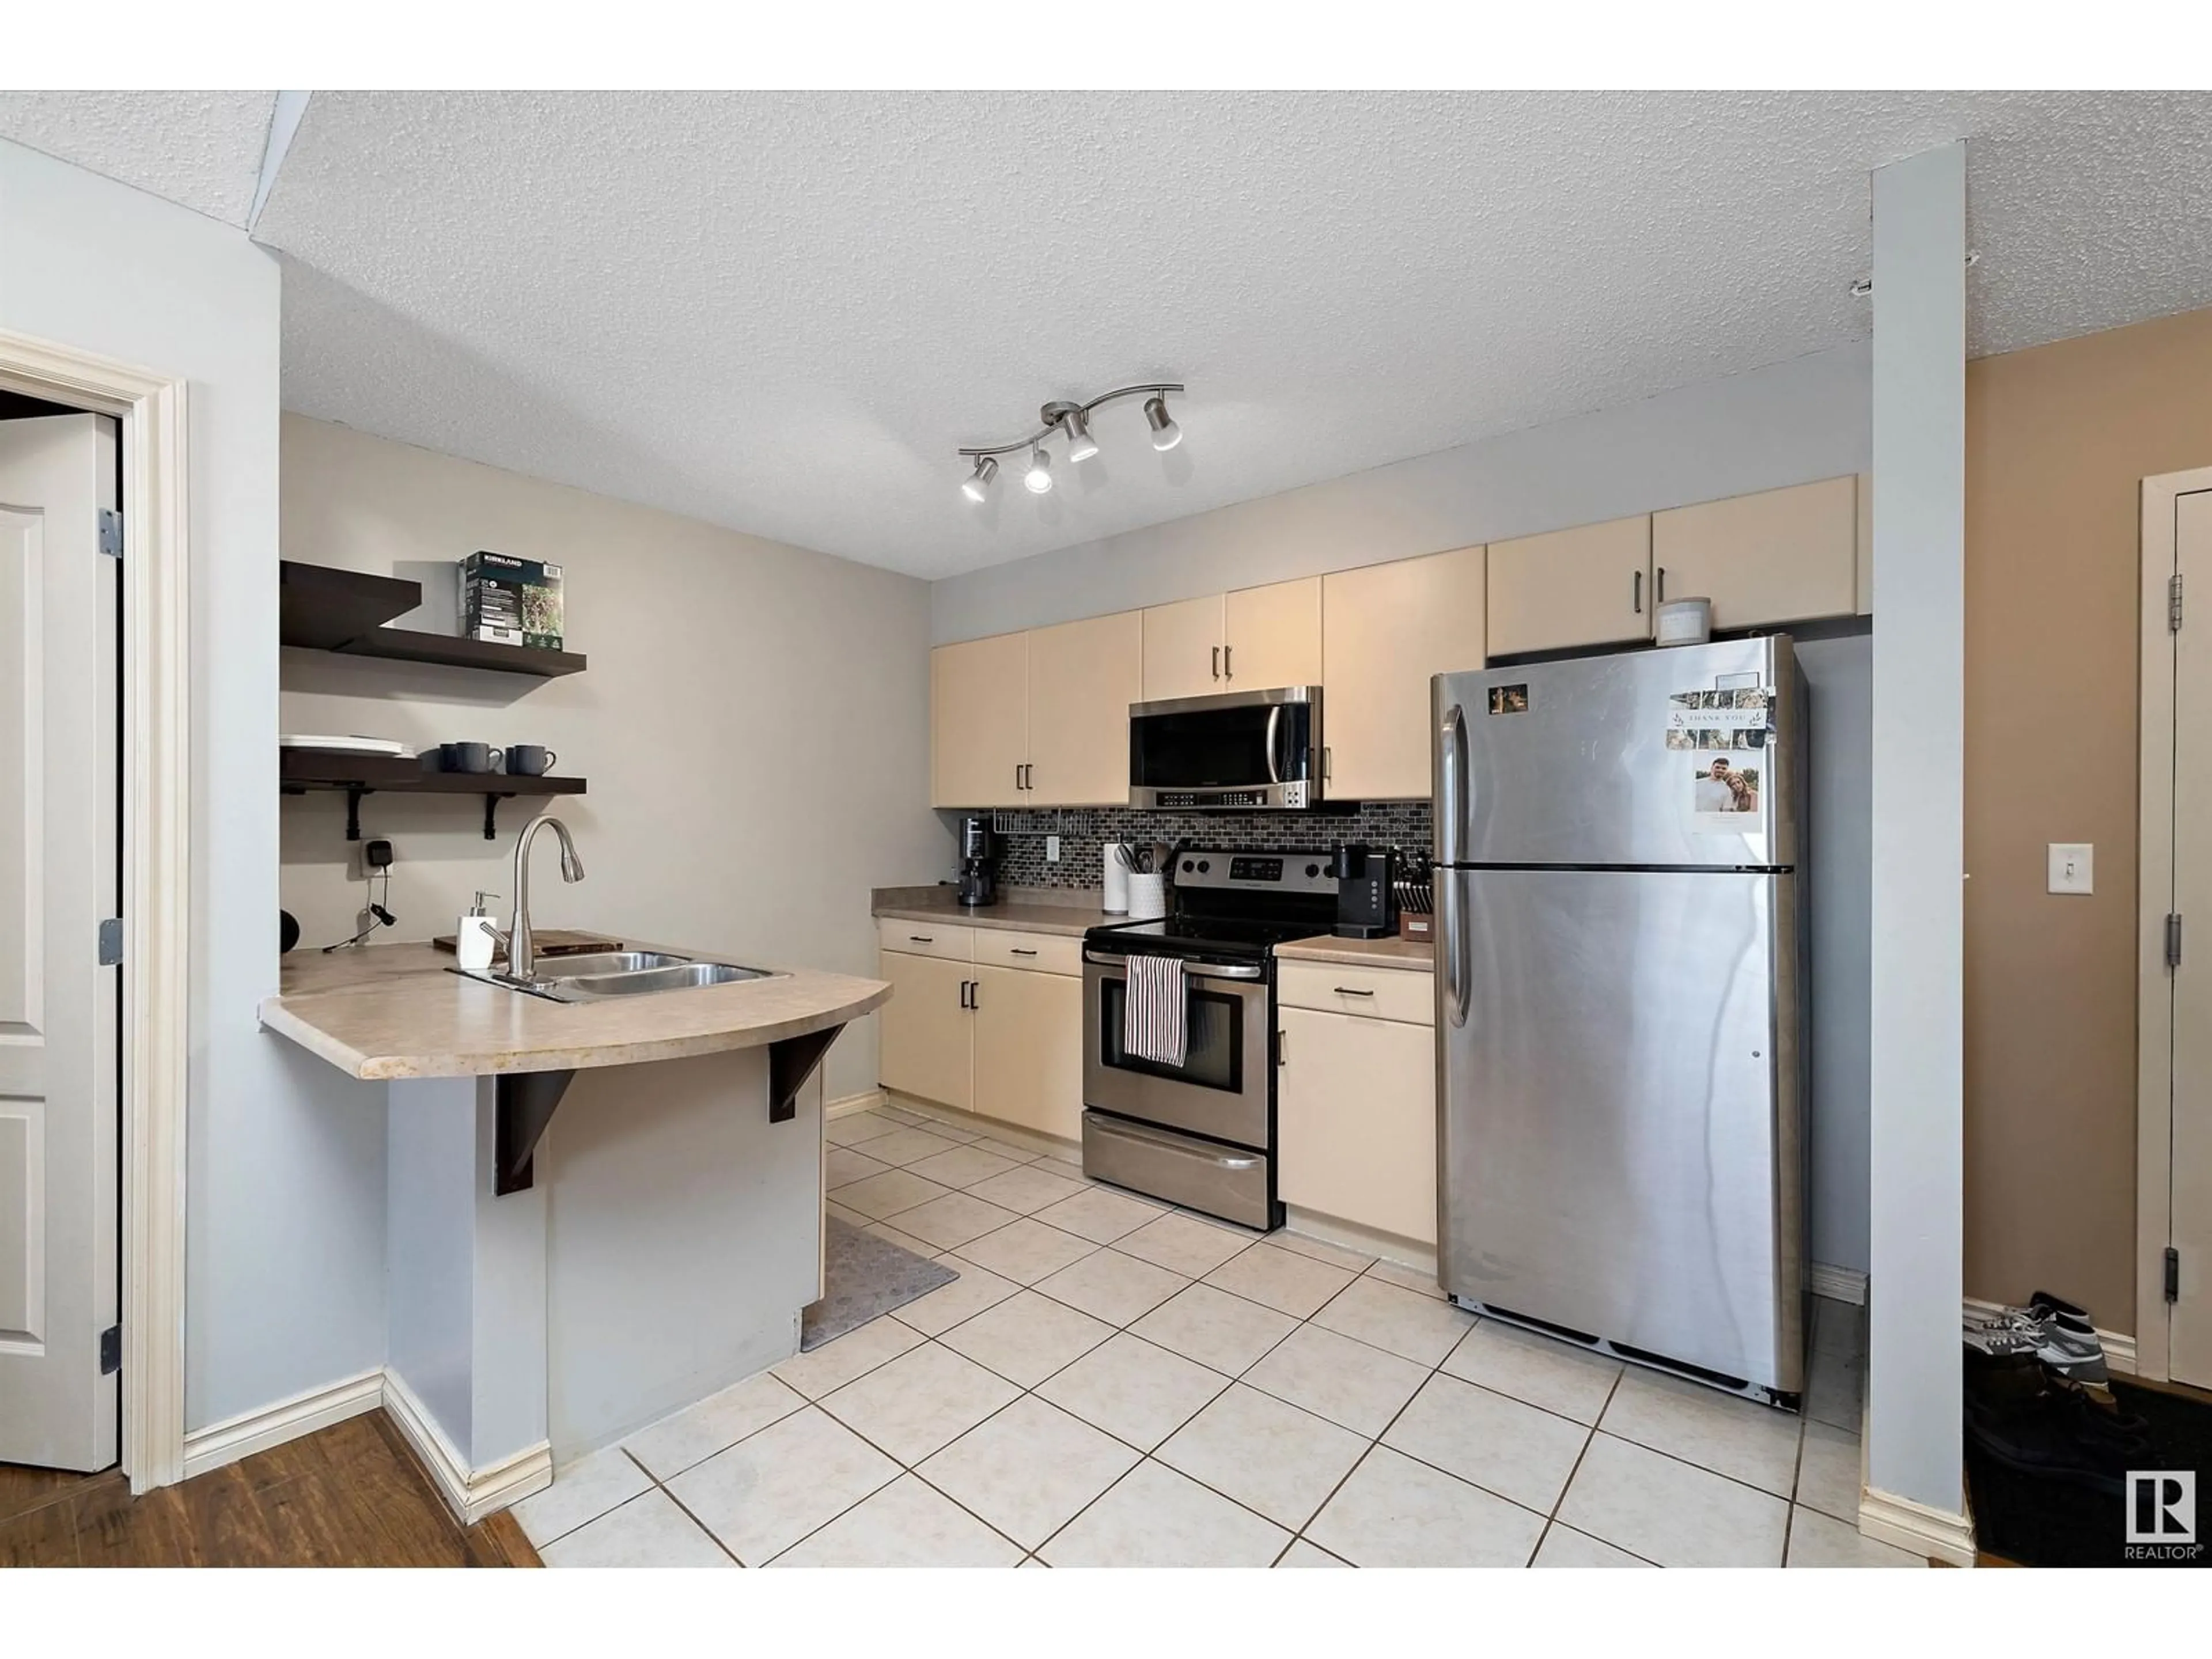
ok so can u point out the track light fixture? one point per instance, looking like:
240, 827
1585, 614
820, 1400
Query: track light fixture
1072, 422
977, 486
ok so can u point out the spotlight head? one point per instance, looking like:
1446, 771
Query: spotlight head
1166, 435
1038, 479
977, 486
1075, 426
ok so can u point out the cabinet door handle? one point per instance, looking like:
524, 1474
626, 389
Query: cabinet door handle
921, 938
1282, 1048
1639, 592
1016, 950
1327, 764
1217, 662
1227, 671
1659, 587
1346, 991
974, 993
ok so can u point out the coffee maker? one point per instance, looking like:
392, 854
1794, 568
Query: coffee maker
1366, 900
979, 861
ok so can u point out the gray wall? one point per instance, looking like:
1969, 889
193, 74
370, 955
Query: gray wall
284, 1265
1789, 423
754, 724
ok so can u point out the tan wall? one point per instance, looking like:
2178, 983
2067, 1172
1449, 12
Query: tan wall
2057, 441
754, 723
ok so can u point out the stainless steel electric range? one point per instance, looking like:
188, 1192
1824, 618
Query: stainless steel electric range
1202, 1134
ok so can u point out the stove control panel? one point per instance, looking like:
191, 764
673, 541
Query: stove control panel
1287, 872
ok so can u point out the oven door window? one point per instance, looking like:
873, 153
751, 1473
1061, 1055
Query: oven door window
1214, 1047
1220, 748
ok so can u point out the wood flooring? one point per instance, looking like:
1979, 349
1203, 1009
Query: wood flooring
350, 1496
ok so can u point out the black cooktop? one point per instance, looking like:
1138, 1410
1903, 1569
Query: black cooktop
1238, 934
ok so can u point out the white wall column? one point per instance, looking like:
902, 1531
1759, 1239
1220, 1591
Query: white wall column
1914, 1435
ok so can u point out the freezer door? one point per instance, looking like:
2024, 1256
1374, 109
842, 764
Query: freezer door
1618, 1142
1683, 757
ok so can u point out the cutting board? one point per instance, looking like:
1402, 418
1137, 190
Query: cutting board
551, 942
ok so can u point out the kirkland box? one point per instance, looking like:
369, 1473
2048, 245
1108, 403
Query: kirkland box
511, 601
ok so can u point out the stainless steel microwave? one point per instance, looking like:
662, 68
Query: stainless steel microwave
1242, 750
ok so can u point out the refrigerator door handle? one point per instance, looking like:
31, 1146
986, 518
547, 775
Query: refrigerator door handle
1451, 948
1451, 775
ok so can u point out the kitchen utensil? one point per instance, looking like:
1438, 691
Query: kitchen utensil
529, 760
469, 758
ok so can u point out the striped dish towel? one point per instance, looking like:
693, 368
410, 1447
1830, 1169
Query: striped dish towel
1152, 1026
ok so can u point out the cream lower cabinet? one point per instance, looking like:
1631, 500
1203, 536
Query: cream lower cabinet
1028, 1050
1385, 630
925, 1041
1003, 1042
1356, 1112
1781, 556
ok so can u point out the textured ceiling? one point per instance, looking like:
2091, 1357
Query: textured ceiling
784, 312
201, 149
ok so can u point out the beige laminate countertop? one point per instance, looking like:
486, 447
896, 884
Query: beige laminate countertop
392, 1011
1392, 952
1071, 911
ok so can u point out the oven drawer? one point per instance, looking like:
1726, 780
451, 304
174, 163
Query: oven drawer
1229, 1181
1048, 953
1377, 993
952, 941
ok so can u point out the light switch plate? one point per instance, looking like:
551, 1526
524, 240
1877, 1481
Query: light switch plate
2073, 867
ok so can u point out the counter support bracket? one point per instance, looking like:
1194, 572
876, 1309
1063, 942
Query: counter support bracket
526, 1101
790, 1063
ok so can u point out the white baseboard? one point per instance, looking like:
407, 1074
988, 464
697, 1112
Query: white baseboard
1889, 1519
846, 1105
1838, 1283
2119, 1348
249, 1432
471, 1494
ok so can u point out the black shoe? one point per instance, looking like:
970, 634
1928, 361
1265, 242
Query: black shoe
2043, 1442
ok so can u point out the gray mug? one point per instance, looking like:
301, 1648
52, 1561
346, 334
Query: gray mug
469, 758
530, 760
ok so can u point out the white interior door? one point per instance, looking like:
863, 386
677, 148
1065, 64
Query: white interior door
2189, 1327
58, 879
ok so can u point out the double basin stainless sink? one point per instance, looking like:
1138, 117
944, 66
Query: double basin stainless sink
611, 973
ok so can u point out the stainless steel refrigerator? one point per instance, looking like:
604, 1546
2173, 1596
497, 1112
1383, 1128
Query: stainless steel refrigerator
1621, 987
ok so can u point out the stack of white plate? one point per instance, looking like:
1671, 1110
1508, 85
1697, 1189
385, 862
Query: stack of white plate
326, 744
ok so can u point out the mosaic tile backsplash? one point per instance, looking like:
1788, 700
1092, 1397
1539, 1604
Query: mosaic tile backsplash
1085, 831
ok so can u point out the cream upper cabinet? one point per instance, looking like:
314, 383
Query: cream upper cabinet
1866, 544
1357, 1121
1385, 630
1182, 649
979, 721
1781, 556
923, 1037
1589, 586
1029, 1049
1271, 636
1083, 676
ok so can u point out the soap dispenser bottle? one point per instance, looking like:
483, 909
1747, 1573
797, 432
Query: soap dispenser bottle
475, 939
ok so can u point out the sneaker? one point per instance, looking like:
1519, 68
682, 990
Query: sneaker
2069, 1352
2057, 1436
2045, 1306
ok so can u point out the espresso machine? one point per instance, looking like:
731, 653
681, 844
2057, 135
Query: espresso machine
979, 860
1366, 900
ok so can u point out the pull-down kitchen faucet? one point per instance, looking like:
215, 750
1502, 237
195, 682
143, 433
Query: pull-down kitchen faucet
521, 957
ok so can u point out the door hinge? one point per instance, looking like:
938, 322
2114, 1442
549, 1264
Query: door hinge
111, 942
111, 1350
111, 533
2173, 604
2172, 1274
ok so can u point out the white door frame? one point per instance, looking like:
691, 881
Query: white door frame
2153, 1005
157, 873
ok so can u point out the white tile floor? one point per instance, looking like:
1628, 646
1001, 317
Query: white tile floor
1111, 1382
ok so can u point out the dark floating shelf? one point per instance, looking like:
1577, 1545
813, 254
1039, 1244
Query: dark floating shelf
323, 609
299, 770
